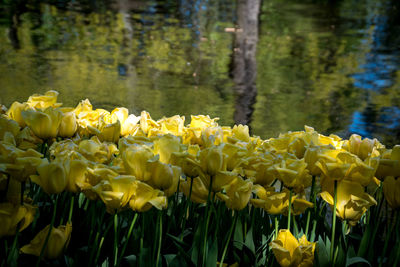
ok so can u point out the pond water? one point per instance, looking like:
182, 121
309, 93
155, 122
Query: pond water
332, 65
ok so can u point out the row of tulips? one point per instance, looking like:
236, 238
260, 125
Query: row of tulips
200, 178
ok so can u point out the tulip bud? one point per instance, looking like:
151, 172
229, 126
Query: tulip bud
44, 124
68, 125
52, 177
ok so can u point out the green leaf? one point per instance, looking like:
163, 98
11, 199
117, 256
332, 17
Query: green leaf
81, 199
322, 253
169, 258
212, 254
355, 260
238, 235
197, 241
129, 261
249, 240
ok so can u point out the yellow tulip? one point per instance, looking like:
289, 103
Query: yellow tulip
362, 148
27, 139
241, 133
94, 150
212, 160
165, 146
199, 189
52, 177
136, 160
57, 243
68, 125
44, 124
14, 112
13, 216
391, 190
238, 194
289, 251
352, 201
389, 163
173, 125
7, 125
278, 202
129, 123
147, 123
49, 99
75, 173
117, 192
293, 173
145, 197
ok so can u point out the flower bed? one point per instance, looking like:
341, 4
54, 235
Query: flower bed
84, 186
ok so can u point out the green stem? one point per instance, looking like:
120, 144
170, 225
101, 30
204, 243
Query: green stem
186, 208
159, 237
127, 238
49, 233
71, 208
208, 212
98, 251
276, 226
333, 223
115, 238
229, 239
290, 209
311, 200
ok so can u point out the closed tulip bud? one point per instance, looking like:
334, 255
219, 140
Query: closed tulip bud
58, 241
212, 160
14, 112
289, 251
161, 175
68, 125
12, 215
391, 190
135, 162
52, 177
75, 172
44, 124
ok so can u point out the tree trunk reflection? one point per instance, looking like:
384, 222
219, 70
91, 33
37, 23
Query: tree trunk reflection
245, 65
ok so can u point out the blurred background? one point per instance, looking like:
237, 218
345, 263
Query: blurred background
275, 65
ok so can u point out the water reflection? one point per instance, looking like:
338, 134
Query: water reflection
333, 65
245, 65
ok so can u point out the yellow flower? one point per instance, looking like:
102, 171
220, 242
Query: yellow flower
352, 201
94, 150
109, 129
289, 251
145, 197
391, 190
147, 123
44, 124
7, 125
293, 173
15, 110
129, 123
12, 215
241, 133
165, 146
136, 160
68, 125
212, 160
75, 173
278, 202
361, 148
52, 177
27, 139
57, 243
173, 125
238, 194
199, 190
389, 163
117, 192
49, 99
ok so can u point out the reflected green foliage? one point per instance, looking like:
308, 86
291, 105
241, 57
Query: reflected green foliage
175, 57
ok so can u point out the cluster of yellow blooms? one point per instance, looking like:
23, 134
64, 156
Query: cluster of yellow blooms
135, 162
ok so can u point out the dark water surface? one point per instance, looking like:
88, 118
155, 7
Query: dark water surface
333, 65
